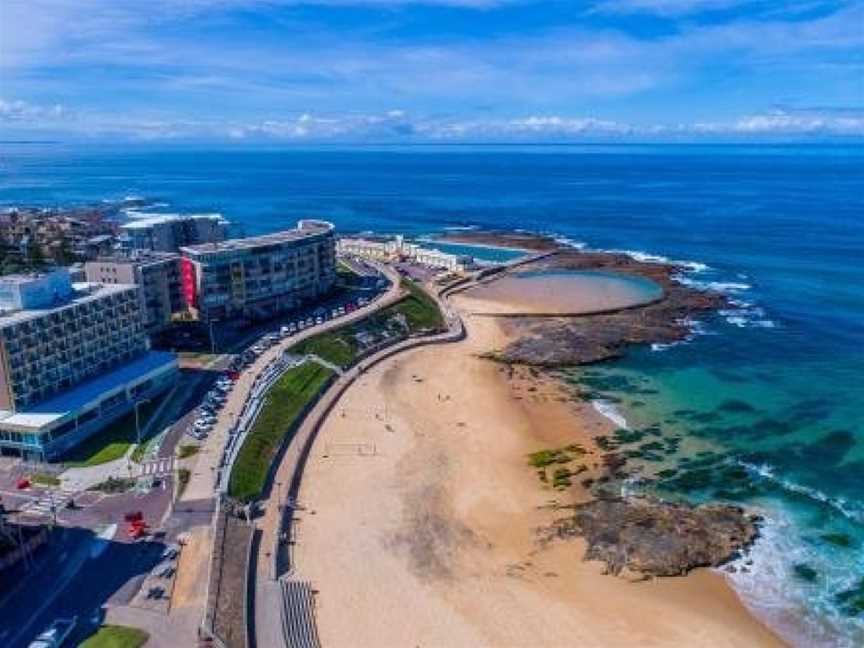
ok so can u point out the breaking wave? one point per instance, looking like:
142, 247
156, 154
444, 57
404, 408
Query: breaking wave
769, 473
607, 409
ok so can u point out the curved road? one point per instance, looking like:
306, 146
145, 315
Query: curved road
203, 481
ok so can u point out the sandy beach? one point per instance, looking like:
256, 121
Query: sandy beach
421, 520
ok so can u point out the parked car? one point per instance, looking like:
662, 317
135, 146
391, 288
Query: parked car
155, 593
166, 572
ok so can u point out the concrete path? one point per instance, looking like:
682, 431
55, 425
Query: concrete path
79, 479
268, 595
202, 483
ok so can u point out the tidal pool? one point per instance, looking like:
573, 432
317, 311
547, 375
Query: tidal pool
561, 292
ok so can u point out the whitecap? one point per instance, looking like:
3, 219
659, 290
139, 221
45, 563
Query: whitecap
647, 257
839, 504
607, 409
803, 614
726, 287
571, 243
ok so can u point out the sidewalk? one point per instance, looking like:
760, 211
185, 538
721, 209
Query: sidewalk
202, 483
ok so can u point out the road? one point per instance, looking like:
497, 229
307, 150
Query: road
75, 576
203, 481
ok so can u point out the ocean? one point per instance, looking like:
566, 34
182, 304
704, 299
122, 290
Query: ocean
762, 406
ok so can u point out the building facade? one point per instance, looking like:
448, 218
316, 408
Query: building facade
71, 360
158, 276
262, 276
170, 232
398, 249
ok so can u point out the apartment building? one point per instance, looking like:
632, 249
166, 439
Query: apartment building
170, 232
158, 276
73, 358
261, 276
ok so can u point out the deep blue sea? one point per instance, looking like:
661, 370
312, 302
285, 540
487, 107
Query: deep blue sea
763, 406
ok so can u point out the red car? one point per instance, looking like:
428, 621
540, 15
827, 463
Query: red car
22, 483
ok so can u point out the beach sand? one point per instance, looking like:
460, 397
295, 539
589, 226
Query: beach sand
421, 517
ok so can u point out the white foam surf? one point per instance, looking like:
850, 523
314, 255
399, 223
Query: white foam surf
725, 287
839, 504
569, 242
802, 613
647, 257
607, 409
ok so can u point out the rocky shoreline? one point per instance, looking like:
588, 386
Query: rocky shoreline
568, 341
651, 537
635, 535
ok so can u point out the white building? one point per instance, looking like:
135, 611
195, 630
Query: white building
397, 249
73, 358
170, 232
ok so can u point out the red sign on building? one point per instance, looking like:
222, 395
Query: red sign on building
187, 277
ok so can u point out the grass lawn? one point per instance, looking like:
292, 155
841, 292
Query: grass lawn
283, 404
419, 308
44, 479
112, 442
339, 346
186, 451
111, 636
183, 477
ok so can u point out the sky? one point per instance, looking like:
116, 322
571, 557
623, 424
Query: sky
296, 71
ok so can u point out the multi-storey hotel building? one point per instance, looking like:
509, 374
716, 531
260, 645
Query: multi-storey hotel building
73, 358
259, 277
157, 274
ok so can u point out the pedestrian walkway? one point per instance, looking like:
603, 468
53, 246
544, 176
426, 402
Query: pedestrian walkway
58, 499
159, 467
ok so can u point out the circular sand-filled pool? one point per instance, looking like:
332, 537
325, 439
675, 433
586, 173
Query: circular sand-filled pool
561, 292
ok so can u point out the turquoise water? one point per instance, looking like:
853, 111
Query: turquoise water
762, 406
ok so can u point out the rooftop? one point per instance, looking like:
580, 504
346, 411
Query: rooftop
73, 400
138, 257
304, 229
144, 220
83, 292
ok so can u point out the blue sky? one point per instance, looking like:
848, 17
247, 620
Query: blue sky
431, 70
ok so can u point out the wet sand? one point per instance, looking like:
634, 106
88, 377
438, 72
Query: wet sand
559, 293
421, 520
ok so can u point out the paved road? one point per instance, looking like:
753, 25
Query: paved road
75, 576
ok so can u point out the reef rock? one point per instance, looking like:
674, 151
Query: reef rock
657, 538
559, 341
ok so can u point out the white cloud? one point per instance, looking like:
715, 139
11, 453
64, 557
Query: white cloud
786, 124
23, 112
397, 125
